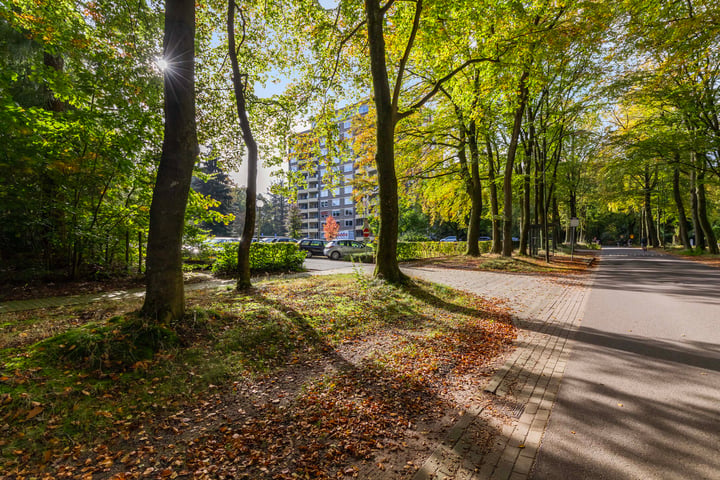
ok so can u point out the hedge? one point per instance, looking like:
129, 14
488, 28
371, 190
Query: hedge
264, 257
418, 250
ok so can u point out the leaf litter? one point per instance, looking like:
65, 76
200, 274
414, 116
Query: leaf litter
364, 393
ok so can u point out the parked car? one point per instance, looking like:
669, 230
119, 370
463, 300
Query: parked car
341, 248
220, 240
312, 246
484, 239
451, 238
278, 240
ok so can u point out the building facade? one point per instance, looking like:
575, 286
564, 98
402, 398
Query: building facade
324, 165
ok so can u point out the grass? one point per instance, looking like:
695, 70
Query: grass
560, 263
697, 255
74, 377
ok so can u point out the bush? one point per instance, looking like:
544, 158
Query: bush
418, 250
264, 257
363, 258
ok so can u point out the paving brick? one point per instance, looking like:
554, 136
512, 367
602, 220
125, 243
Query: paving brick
523, 465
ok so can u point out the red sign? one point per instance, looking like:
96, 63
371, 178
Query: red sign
366, 232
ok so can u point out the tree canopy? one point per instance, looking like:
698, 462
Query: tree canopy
502, 119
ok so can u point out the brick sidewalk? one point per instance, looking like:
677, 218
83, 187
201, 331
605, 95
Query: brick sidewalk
526, 386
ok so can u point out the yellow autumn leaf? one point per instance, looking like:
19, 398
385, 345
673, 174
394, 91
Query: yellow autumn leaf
34, 412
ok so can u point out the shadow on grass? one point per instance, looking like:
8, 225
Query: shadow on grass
340, 416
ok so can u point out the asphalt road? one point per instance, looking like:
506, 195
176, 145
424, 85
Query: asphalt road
316, 263
640, 398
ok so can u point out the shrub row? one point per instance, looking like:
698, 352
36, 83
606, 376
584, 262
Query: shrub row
264, 257
418, 250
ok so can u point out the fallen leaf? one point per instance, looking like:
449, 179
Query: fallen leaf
34, 412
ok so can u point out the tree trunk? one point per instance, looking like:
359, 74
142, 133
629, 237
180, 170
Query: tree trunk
648, 224
165, 298
386, 266
556, 221
494, 207
475, 192
243, 281
697, 228
507, 179
682, 218
140, 253
540, 201
527, 191
702, 209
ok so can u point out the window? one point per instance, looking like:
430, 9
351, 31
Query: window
348, 212
348, 167
324, 214
325, 193
336, 191
336, 213
363, 109
348, 223
347, 190
348, 201
347, 124
323, 203
335, 202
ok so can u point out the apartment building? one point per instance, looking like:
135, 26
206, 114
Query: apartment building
325, 168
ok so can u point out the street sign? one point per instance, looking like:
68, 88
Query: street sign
574, 222
366, 232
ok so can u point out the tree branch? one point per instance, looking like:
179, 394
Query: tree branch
406, 55
439, 84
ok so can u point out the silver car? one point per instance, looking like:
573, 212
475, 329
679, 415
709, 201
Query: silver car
341, 248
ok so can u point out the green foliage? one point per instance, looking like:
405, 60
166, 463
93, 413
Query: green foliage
417, 250
115, 346
264, 257
80, 129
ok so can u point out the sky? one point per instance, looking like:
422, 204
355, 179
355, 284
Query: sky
264, 179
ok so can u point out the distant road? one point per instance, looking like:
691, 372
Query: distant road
319, 264
640, 398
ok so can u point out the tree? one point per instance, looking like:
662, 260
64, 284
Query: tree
165, 297
240, 89
80, 129
294, 222
331, 228
213, 182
